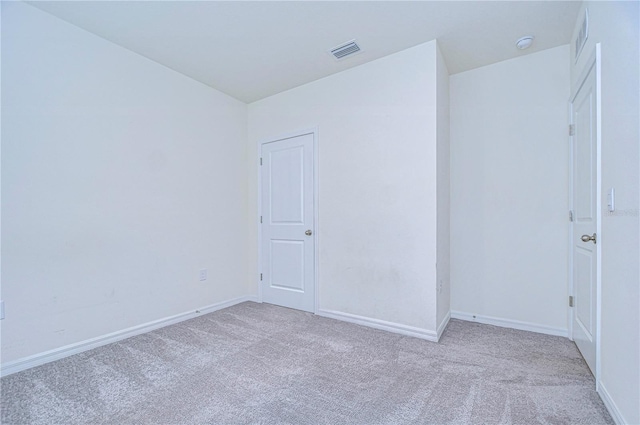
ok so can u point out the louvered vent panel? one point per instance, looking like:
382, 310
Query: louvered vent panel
345, 50
581, 39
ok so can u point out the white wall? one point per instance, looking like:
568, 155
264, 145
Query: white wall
443, 191
120, 180
616, 26
377, 183
509, 190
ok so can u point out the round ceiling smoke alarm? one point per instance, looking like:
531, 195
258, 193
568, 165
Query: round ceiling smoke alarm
525, 42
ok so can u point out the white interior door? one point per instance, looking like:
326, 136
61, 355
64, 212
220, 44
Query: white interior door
288, 232
585, 218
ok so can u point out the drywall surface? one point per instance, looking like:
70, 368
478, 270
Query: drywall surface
443, 190
615, 25
377, 183
121, 179
509, 190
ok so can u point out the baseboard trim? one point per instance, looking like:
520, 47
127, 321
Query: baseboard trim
380, 324
443, 325
79, 347
508, 323
611, 406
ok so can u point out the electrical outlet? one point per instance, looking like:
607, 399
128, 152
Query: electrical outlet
1, 310
203, 275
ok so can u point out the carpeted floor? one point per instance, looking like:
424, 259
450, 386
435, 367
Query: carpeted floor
262, 364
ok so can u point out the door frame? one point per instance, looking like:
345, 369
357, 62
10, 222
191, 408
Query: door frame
313, 131
594, 63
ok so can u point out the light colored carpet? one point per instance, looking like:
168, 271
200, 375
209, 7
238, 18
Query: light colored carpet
262, 364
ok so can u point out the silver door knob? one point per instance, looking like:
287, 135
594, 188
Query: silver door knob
587, 238
308, 233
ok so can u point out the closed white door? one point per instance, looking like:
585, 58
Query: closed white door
584, 238
288, 231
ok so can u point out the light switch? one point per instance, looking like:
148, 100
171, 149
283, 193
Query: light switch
611, 200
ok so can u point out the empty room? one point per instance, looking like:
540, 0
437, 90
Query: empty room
320, 212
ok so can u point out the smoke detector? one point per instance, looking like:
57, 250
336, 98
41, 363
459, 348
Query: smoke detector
525, 42
345, 49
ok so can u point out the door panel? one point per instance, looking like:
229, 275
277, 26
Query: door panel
585, 292
585, 158
584, 253
286, 185
287, 265
287, 251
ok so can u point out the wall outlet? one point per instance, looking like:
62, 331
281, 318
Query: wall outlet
1, 310
203, 275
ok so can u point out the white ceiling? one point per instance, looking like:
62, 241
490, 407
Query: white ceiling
254, 49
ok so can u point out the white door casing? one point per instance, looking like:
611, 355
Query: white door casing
585, 208
288, 216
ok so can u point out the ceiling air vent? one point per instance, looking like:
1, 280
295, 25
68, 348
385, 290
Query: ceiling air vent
581, 39
345, 49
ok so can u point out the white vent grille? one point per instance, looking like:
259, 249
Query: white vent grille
345, 49
581, 39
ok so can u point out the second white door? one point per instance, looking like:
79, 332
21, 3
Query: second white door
585, 214
288, 230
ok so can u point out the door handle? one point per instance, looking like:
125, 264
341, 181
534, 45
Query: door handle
587, 238
308, 233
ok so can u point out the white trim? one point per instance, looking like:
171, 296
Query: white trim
316, 263
509, 323
316, 219
89, 344
443, 325
615, 413
380, 324
570, 242
598, 61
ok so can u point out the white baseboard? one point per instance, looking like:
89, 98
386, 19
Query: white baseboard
69, 350
443, 325
615, 413
508, 323
380, 324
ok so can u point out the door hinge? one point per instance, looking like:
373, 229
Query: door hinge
260, 161
572, 129
570, 301
260, 219
260, 276
570, 215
